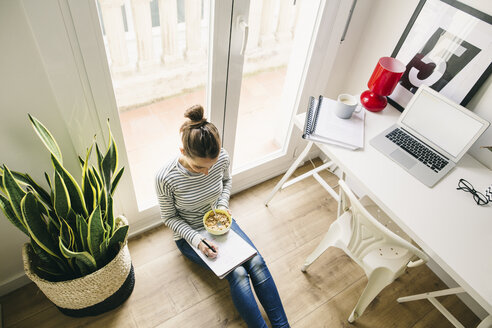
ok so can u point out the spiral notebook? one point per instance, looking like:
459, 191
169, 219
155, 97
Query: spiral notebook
233, 251
322, 125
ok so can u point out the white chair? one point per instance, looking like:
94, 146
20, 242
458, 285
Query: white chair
365, 233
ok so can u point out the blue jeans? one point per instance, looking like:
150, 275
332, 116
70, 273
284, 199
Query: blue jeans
240, 287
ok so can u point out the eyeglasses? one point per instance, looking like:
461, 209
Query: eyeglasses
478, 197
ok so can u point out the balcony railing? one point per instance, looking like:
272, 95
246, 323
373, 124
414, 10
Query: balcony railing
158, 48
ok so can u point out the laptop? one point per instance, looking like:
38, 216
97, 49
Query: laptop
431, 136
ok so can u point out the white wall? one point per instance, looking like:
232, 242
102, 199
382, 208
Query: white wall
24, 88
375, 29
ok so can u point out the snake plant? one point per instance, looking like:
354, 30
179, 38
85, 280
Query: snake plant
71, 226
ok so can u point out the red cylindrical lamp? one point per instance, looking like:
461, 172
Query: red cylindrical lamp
383, 81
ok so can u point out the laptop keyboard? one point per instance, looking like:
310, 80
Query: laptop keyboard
417, 150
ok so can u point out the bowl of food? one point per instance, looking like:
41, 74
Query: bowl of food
217, 223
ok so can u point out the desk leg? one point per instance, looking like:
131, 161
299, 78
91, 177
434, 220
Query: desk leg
431, 297
289, 172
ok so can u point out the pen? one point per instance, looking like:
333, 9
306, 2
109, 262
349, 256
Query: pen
208, 245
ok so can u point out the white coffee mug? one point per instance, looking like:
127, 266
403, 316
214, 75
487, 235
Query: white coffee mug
346, 105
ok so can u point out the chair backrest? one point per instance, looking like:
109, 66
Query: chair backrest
367, 232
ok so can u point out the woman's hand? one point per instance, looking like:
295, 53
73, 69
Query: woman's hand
206, 250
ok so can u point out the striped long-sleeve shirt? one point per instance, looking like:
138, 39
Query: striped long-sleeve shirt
184, 197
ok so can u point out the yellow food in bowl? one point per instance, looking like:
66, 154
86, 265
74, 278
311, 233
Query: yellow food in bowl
219, 223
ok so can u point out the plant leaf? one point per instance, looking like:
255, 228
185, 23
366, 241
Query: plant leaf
87, 188
84, 269
110, 161
103, 249
25, 180
89, 194
106, 171
83, 257
19, 177
64, 234
72, 239
62, 198
40, 253
47, 177
14, 192
102, 200
74, 191
70, 264
46, 138
113, 149
82, 229
53, 218
94, 183
81, 161
111, 226
109, 218
50, 275
36, 226
96, 232
44, 195
108, 232
100, 159
9, 213
97, 176
47, 262
85, 167
118, 237
2, 187
116, 180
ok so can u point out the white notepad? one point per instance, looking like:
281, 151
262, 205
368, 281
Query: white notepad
233, 251
322, 125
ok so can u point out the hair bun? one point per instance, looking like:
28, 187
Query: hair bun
195, 114
199, 137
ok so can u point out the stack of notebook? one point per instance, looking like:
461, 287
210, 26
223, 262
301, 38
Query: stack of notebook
322, 125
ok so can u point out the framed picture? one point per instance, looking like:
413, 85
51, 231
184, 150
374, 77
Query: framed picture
447, 45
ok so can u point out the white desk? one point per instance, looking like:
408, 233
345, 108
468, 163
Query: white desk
448, 225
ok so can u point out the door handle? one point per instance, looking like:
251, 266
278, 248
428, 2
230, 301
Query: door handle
243, 26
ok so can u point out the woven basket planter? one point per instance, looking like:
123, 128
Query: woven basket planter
93, 294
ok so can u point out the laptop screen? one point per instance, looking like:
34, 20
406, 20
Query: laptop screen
441, 122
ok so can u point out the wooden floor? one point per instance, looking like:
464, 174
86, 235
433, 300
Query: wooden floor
172, 292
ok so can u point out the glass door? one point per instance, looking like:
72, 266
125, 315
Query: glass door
263, 114
233, 57
157, 52
271, 50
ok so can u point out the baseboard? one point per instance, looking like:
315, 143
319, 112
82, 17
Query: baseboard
148, 223
12, 284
